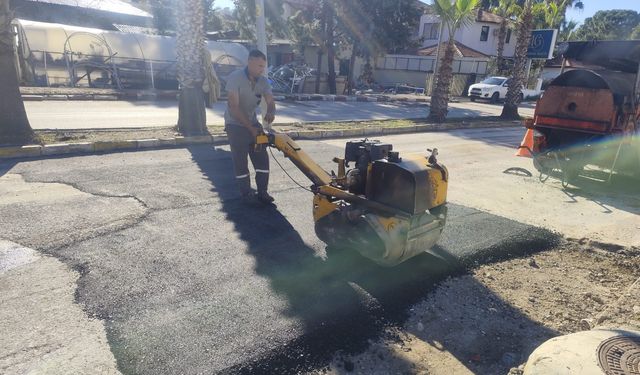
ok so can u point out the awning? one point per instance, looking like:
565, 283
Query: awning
623, 55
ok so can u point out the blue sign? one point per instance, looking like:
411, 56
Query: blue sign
541, 44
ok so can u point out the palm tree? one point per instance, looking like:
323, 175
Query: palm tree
525, 24
507, 9
244, 16
455, 13
553, 13
566, 30
578, 4
14, 124
555, 10
190, 50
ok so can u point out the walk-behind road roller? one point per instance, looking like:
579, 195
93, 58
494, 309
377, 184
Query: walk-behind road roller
387, 207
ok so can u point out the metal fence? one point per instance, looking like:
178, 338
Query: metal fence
64, 55
426, 64
50, 69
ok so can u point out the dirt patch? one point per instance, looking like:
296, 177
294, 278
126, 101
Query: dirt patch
81, 136
490, 320
95, 135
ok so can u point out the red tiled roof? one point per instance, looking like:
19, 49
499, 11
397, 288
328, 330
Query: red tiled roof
484, 16
460, 51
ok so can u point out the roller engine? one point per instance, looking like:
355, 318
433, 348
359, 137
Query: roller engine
387, 207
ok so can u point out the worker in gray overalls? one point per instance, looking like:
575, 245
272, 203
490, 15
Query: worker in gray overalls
245, 88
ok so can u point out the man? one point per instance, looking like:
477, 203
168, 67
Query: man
245, 87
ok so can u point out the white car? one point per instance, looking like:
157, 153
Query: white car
493, 89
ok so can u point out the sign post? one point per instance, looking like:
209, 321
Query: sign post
261, 32
540, 47
542, 44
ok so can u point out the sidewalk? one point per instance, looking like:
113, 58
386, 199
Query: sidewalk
71, 93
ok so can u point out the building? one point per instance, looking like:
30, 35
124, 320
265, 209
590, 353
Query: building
481, 35
475, 46
104, 14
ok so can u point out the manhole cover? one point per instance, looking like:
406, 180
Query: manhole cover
620, 355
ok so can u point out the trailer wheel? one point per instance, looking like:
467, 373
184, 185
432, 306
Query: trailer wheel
495, 98
472, 99
545, 172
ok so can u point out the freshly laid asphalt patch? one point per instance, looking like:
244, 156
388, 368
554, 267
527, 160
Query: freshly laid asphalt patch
203, 284
384, 295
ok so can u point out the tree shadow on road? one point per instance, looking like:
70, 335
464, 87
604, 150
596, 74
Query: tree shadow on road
6, 166
622, 192
509, 137
310, 110
341, 299
463, 327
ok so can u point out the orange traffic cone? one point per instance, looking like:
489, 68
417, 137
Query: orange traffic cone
527, 141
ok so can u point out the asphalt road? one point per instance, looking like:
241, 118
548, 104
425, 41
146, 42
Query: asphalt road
121, 114
188, 280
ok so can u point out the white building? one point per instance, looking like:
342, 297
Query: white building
481, 35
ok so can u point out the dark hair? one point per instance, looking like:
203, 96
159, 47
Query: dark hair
257, 54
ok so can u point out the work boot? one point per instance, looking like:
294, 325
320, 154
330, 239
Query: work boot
264, 197
250, 198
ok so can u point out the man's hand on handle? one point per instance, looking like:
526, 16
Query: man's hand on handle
269, 117
255, 131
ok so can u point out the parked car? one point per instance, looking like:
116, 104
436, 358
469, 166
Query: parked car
495, 89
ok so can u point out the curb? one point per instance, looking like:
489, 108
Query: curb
145, 96
102, 147
100, 97
351, 98
111, 96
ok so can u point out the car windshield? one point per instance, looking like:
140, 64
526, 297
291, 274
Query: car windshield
493, 81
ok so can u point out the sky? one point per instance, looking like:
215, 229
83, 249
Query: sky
228, 3
590, 7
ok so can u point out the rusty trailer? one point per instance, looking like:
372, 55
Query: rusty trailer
591, 115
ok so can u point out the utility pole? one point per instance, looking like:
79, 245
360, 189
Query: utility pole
261, 30
261, 41
526, 84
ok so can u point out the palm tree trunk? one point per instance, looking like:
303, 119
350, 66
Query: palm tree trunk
510, 109
14, 124
440, 97
190, 47
502, 35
